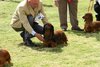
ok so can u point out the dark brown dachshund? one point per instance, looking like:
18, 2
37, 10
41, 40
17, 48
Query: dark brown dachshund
90, 26
4, 57
52, 38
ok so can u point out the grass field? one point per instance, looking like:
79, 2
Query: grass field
83, 49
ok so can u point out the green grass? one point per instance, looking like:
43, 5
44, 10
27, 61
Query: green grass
83, 49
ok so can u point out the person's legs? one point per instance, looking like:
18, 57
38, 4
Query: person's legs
62, 8
37, 28
73, 15
26, 35
97, 10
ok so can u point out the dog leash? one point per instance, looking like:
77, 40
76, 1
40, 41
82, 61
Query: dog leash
91, 3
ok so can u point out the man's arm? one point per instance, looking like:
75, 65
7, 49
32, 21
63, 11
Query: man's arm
27, 26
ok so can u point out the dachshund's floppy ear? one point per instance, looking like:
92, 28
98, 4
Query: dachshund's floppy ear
52, 28
44, 28
91, 17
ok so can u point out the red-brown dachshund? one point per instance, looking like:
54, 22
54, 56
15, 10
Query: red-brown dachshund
90, 25
53, 38
4, 57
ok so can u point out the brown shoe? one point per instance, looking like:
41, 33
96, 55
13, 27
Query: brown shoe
64, 29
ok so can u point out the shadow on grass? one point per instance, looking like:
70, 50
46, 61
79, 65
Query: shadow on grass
45, 5
87, 35
8, 65
40, 47
15, 1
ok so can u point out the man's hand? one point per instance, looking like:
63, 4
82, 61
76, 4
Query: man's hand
39, 37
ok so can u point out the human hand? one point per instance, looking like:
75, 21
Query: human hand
39, 37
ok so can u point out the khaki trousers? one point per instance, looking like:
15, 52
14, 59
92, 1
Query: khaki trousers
72, 12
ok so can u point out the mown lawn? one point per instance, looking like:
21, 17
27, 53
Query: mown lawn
83, 49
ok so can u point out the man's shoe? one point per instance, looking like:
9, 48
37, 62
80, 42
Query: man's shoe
28, 42
64, 29
77, 29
